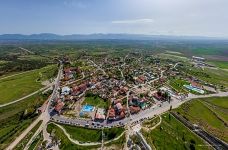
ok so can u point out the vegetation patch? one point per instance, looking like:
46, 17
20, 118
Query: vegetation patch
95, 100
220, 64
172, 134
25, 140
198, 113
37, 142
16, 117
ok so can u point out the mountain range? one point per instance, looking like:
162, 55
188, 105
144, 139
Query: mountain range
50, 36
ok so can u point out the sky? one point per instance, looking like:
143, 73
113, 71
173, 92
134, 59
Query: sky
152, 17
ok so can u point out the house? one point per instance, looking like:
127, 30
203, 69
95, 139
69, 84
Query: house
59, 106
100, 114
134, 109
111, 114
65, 90
119, 107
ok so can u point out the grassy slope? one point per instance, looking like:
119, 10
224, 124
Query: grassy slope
77, 132
219, 101
83, 134
172, 134
21, 85
198, 113
214, 76
92, 135
12, 120
220, 64
65, 143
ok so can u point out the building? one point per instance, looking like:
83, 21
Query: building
59, 106
198, 59
65, 90
111, 114
100, 114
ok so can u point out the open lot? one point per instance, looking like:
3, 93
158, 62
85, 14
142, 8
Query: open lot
172, 134
177, 84
211, 119
96, 101
23, 84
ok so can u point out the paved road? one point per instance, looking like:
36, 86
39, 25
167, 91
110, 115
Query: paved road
148, 113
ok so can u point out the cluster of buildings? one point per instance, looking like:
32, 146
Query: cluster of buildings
70, 73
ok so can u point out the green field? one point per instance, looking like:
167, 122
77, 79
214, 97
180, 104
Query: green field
211, 119
177, 84
218, 77
151, 122
220, 64
21, 85
26, 139
38, 141
96, 101
67, 145
83, 134
218, 101
16, 117
172, 134
92, 135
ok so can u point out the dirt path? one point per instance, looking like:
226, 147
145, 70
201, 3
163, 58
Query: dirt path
23, 134
86, 144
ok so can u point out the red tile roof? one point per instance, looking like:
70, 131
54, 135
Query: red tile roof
59, 106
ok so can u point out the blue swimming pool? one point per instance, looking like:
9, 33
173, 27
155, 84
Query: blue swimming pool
87, 108
190, 87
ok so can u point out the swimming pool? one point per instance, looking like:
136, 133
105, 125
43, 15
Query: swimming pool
87, 108
190, 87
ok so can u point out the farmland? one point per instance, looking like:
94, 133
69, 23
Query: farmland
17, 117
211, 119
171, 134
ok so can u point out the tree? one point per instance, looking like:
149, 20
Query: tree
170, 108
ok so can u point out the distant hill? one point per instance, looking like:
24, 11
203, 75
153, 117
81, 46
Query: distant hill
50, 36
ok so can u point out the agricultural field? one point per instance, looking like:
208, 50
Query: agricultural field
37, 142
16, 117
218, 101
171, 134
208, 116
220, 64
26, 139
218, 77
21, 85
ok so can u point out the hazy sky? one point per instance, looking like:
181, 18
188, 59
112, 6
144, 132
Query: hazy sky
166, 17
